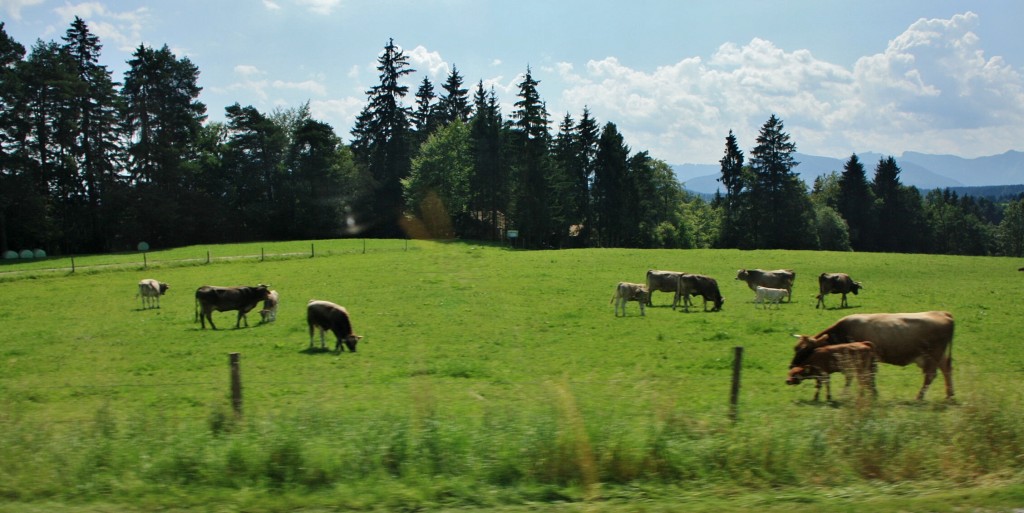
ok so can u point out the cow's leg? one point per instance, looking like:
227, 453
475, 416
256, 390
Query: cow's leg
946, 365
843, 303
821, 302
641, 308
929, 376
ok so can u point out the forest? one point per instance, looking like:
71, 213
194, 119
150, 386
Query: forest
89, 164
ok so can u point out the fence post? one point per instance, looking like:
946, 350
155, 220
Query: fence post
261, 255
72, 263
207, 256
236, 383
734, 394
312, 252
364, 246
145, 263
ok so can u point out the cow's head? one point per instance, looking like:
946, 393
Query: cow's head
262, 291
856, 287
742, 274
805, 347
800, 373
719, 301
163, 288
349, 341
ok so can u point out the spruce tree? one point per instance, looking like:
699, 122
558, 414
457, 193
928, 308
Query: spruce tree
856, 204
532, 166
736, 179
782, 213
489, 182
454, 103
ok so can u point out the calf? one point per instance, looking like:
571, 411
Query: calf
768, 296
625, 292
836, 283
854, 360
269, 311
151, 290
325, 315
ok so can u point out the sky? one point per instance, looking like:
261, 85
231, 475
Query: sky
674, 76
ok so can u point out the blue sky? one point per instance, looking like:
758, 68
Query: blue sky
675, 76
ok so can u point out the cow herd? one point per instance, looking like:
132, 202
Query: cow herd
851, 346
320, 315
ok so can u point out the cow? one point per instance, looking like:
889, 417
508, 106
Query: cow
836, 283
269, 311
923, 338
222, 299
767, 296
662, 281
325, 315
625, 292
856, 360
699, 285
151, 290
777, 279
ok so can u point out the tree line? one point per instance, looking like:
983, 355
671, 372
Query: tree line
88, 164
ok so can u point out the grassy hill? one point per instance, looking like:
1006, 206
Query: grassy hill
493, 378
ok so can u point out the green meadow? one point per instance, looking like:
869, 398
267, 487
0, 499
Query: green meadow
491, 379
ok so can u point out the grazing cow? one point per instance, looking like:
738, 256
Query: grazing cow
222, 299
699, 285
856, 360
836, 283
777, 279
662, 281
625, 292
325, 315
151, 290
924, 338
767, 296
269, 311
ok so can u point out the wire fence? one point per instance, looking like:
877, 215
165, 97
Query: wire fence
198, 255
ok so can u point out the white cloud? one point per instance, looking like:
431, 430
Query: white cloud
323, 7
123, 28
247, 70
426, 61
14, 7
310, 86
271, 6
932, 90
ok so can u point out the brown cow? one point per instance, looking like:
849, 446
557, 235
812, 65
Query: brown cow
855, 360
777, 279
325, 315
625, 292
662, 281
836, 283
698, 285
924, 338
223, 299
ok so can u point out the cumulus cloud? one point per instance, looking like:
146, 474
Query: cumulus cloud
932, 89
13, 7
122, 28
323, 7
429, 62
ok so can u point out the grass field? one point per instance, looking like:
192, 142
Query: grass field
498, 380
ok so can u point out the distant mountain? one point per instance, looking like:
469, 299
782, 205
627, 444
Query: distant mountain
921, 170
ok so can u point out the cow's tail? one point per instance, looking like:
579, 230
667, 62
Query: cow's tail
197, 310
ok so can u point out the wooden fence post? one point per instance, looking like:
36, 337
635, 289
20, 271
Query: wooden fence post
312, 253
145, 263
72, 263
207, 256
236, 383
734, 394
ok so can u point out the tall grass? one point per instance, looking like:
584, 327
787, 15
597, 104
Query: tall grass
488, 378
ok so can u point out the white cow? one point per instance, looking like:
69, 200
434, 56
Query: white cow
769, 296
626, 291
151, 290
269, 311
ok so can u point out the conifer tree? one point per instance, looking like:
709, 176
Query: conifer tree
737, 180
532, 165
454, 103
782, 212
856, 204
489, 182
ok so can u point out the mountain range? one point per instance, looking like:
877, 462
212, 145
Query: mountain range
922, 170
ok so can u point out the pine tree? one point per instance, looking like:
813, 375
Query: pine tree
611, 187
489, 182
530, 128
425, 117
382, 141
782, 213
96, 147
454, 103
856, 204
737, 180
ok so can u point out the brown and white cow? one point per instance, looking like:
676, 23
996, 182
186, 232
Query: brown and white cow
222, 299
699, 285
327, 316
269, 311
662, 281
923, 338
777, 279
836, 283
856, 360
151, 290
625, 292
